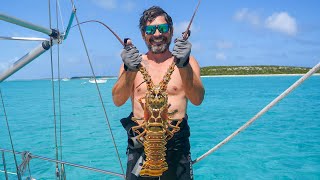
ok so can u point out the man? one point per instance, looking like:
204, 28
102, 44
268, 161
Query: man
157, 30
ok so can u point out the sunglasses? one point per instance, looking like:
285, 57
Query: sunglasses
163, 28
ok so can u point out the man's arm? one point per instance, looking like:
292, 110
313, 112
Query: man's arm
122, 90
190, 75
189, 70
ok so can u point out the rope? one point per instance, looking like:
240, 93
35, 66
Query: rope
264, 110
98, 89
30, 177
26, 157
9, 132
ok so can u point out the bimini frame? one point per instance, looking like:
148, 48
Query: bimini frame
55, 38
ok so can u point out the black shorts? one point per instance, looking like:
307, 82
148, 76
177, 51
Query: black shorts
177, 155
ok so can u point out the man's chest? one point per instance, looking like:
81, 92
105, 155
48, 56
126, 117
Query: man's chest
173, 86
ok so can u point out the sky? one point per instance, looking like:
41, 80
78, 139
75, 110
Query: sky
224, 33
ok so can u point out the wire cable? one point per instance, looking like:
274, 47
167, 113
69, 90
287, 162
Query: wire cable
53, 99
59, 85
10, 137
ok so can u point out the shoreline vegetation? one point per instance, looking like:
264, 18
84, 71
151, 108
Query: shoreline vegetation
252, 70
90, 77
223, 71
239, 71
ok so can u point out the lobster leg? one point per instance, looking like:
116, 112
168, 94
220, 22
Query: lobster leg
169, 134
175, 128
141, 103
140, 136
170, 114
135, 128
136, 119
178, 121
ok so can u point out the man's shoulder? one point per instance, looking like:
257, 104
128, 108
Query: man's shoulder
193, 61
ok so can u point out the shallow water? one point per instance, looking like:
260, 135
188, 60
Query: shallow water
282, 144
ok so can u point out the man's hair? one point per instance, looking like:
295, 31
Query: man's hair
150, 14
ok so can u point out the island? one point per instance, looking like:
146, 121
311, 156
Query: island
252, 70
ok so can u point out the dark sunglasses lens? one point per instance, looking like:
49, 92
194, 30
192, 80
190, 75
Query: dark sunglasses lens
163, 28
150, 29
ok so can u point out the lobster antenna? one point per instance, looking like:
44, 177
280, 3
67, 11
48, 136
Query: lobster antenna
186, 34
104, 26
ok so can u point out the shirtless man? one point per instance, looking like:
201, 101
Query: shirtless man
157, 30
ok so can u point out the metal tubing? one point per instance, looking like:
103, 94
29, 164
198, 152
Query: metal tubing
44, 46
70, 23
24, 38
25, 24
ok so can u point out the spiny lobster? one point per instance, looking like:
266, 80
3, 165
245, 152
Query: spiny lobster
156, 126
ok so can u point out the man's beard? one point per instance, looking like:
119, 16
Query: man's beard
158, 49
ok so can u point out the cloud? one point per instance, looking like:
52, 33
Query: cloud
279, 21
224, 45
282, 22
220, 56
244, 15
106, 4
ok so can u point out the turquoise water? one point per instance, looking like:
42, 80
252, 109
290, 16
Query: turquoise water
283, 144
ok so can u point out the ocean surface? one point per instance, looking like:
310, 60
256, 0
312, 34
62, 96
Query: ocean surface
283, 144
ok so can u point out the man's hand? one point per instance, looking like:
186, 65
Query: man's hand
131, 57
181, 51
